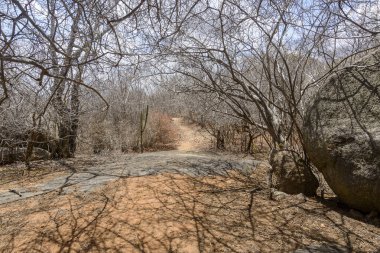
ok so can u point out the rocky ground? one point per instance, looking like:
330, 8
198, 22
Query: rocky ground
185, 200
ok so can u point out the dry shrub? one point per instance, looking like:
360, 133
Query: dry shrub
99, 138
123, 135
231, 135
163, 134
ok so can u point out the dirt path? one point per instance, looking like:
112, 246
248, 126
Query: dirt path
192, 137
86, 173
186, 200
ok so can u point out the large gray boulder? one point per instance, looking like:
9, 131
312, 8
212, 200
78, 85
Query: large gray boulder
40, 154
8, 155
291, 175
342, 133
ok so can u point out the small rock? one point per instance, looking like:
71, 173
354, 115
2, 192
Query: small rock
278, 195
301, 197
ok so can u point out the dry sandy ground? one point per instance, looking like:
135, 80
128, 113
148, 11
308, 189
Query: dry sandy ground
191, 137
229, 212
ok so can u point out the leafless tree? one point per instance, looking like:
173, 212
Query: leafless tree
53, 44
260, 58
264, 59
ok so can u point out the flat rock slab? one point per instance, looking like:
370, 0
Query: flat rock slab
88, 178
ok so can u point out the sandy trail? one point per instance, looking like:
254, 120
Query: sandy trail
86, 173
192, 137
185, 200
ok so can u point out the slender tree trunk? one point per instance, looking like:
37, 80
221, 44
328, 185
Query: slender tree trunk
143, 121
249, 145
29, 148
220, 141
31, 141
74, 123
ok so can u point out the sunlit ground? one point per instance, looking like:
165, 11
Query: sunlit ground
178, 213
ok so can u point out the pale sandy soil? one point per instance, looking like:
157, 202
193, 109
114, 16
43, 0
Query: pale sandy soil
178, 212
191, 137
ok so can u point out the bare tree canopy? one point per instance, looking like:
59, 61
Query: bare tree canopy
258, 61
189, 125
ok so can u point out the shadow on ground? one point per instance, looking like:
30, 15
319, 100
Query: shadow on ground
224, 211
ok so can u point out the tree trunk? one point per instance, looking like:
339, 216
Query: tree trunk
31, 141
74, 123
29, 148
68, 125
143, 121
249, 145
220, 141
67, 116
63, 150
